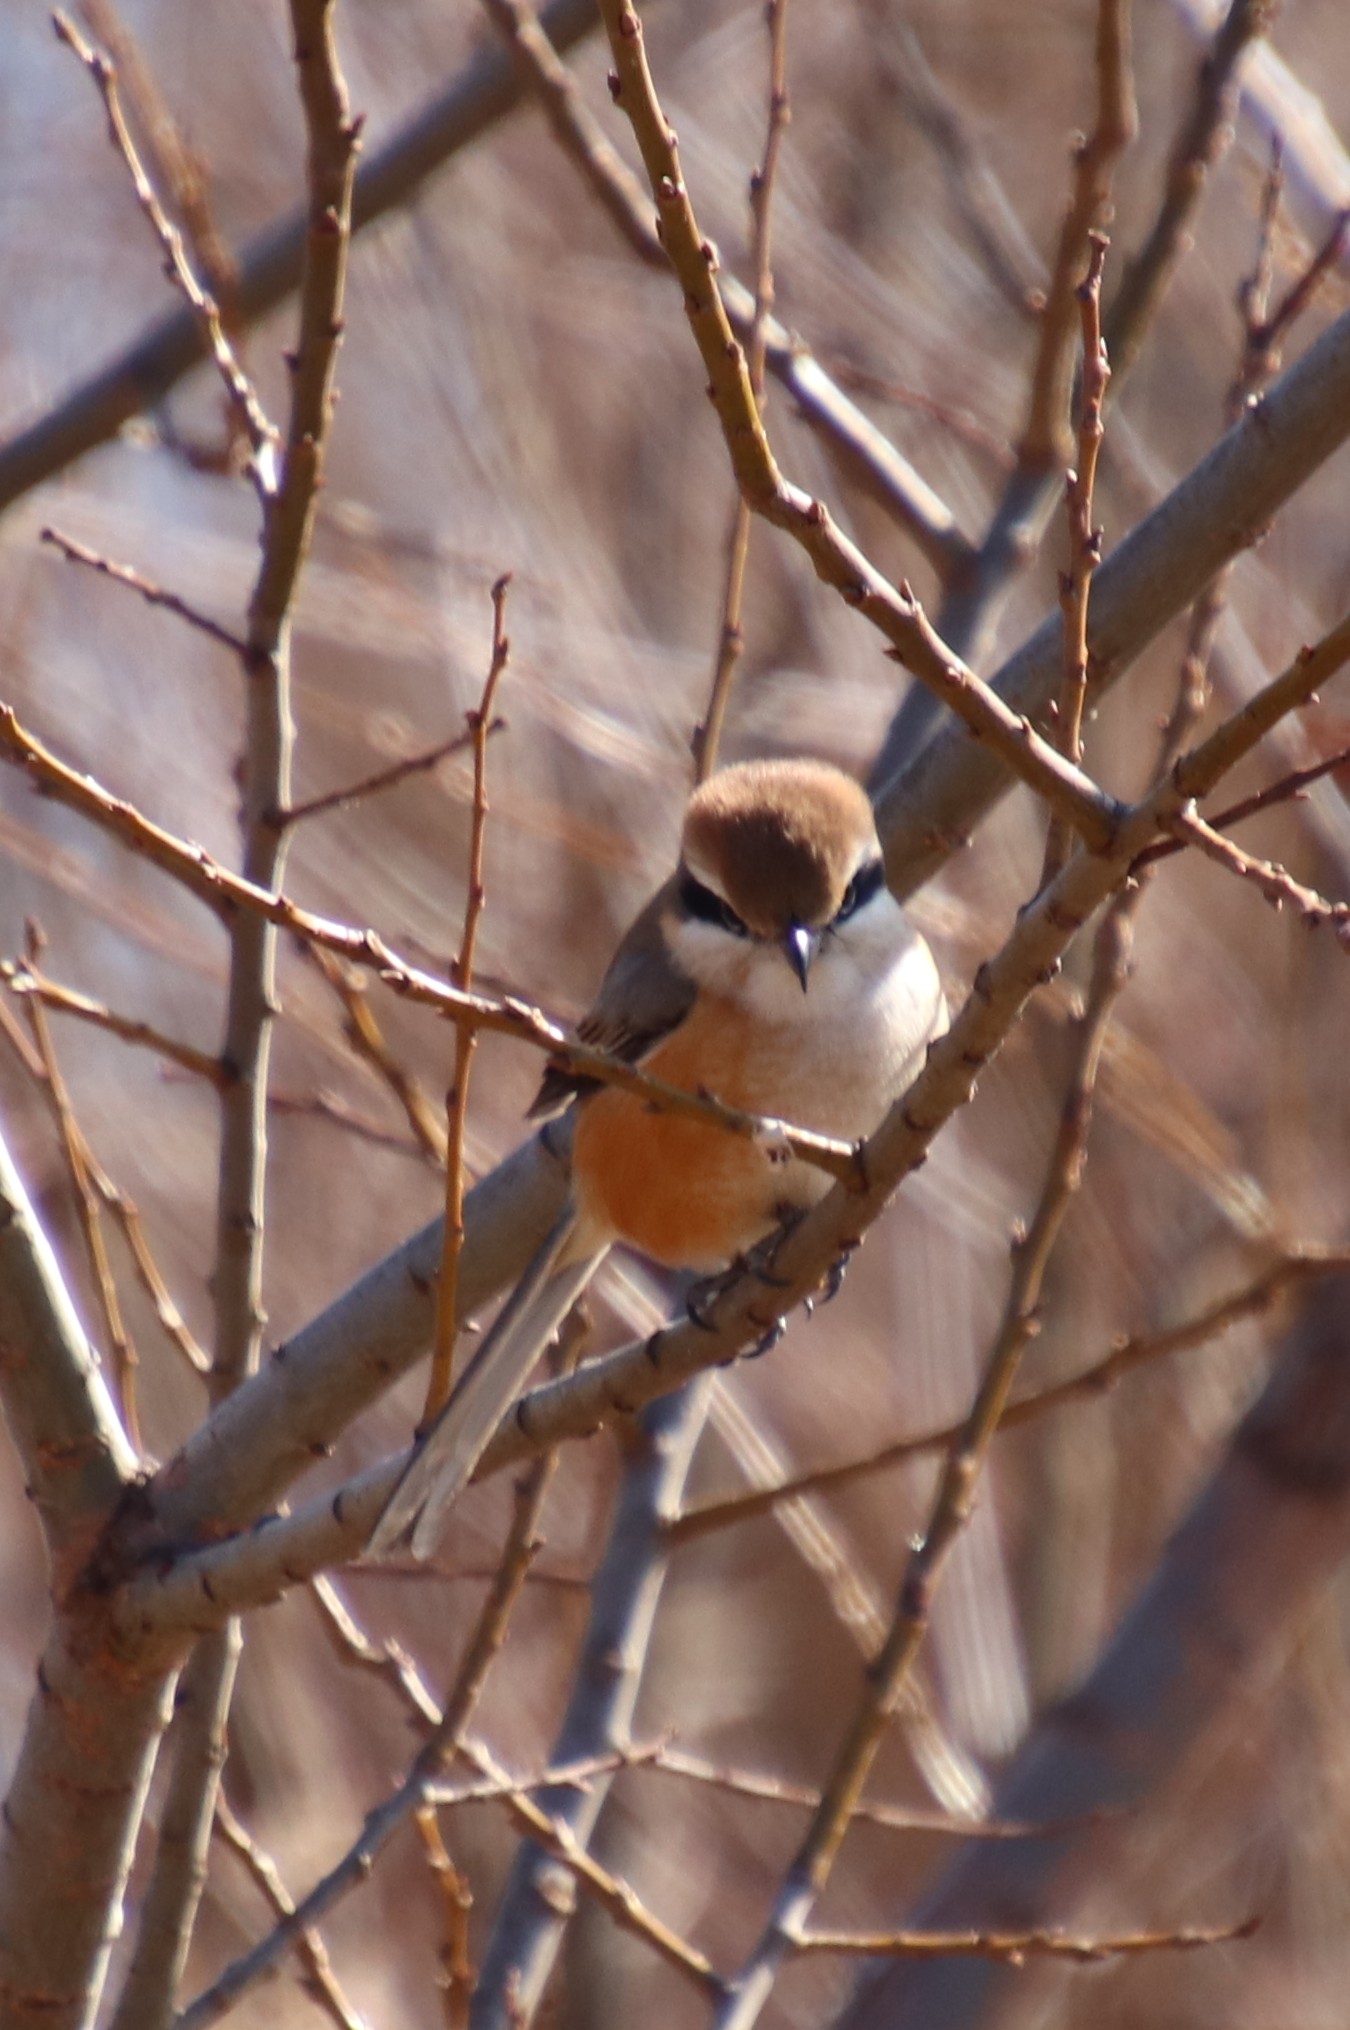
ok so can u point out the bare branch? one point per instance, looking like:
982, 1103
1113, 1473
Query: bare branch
74, 1148
317, 1976
871, 458
1046, 438
423, 1783
531, 1921
1200, 145
1014, 1948
288, 502
152, 594
731, 640
172, 1895
204, 309
1287, 1272
27, 983
123, 1210
384, 778
457, 1099
1085, 541
976, 597
68, 1833
1277, 885
1234, 1587
76, 1456
927, 809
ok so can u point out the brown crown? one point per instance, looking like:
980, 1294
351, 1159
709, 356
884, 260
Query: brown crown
779, 839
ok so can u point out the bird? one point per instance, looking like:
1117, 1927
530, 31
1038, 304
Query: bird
774, 970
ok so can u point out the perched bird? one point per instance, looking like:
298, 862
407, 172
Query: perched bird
775, 970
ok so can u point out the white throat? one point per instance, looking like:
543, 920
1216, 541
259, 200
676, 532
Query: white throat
849, 1044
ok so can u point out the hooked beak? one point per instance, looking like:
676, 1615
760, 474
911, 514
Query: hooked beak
801, 946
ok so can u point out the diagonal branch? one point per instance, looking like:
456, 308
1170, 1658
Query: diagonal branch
530, 1925
1231, 1592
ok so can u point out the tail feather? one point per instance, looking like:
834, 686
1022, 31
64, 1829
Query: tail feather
444, 1457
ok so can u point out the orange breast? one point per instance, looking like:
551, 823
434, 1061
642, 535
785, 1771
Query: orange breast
687, 1195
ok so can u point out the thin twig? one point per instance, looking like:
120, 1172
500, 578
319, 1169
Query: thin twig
575, 127
1254, 369
1098, 1379
25, 981
1085, 541
1289, 788
461, 972
385, 778
317, 1976
368, 1041
353, 1646
261, 435
456, 1900
1299, 295
1204, 138
731, 636
323, 1105
1277, 885
672, 1761
1016, 1947
963, 424
74, 1148
1046, 438
152, 594
177, 169
123, 1210
610, 1891
504, 1788
177, 166
989, 216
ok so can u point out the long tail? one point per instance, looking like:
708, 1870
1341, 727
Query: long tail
445, 1455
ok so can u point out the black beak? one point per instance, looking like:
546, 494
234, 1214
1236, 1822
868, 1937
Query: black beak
801, 946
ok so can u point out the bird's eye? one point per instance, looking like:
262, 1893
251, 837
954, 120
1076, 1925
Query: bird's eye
707, 907
864, 885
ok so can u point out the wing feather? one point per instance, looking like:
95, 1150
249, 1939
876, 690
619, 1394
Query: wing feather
642, 998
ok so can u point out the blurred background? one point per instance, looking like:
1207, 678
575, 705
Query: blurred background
519, 393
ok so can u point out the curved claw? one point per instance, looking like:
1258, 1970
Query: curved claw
767, 1343
834, 1281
